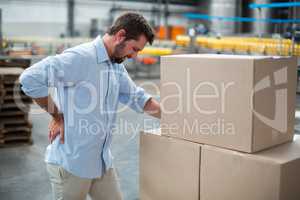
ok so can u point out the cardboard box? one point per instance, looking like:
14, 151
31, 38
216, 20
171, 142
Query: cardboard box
169, 168
244, 103
172, 169
268, 175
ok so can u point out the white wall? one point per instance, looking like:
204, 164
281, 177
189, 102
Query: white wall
49, 17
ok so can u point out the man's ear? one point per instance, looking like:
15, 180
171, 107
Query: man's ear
120, 35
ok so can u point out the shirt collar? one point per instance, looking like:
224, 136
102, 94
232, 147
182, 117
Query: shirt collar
101, 51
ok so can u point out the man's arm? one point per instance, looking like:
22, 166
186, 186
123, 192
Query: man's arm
152, 108
53, 71
56, 125
135, 97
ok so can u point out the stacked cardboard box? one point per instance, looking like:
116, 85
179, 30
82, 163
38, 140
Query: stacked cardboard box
226, 130
15, 127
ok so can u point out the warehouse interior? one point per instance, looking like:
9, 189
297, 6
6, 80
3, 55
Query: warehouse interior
231, 33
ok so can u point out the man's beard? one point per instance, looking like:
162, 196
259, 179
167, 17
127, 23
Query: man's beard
117, 52
117, 60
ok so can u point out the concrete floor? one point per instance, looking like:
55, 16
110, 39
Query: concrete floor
22, 170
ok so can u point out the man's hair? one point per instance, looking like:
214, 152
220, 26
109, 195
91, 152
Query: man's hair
134, 25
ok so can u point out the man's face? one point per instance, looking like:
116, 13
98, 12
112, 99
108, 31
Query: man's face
128, 49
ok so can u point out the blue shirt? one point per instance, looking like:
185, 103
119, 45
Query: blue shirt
88, 88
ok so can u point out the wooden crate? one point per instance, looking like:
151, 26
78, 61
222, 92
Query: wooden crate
11, 95
8, 73
15, 129
15, 62
9, 128
15, 134
10, 101
2, 94
13, 112
25, 108
14, 120
14, 143
21, 96
8, 78
12, 105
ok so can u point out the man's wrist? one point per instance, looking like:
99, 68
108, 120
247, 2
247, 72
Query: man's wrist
57, 116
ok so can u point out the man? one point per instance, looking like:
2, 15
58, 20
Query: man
90, 81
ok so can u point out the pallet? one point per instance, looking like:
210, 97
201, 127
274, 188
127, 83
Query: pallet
10, 72
13, 104
5, 128
15, 62
6, 106
10, 130
16, 143
25, 108
18, 97
10, 92
15, 100
16, 135
11, 86
12, 135
2, 94
14, 120
15, 114
9, 79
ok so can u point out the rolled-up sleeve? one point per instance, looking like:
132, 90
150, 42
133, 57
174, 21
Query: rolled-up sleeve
131, 95
52, 71
34, 80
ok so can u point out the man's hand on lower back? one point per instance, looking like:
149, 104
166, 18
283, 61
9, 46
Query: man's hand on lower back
56, 127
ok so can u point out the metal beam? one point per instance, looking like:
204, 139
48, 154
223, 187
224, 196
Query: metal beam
1, 36
70, 26
275, 5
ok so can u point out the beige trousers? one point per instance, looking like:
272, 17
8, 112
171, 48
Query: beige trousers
66, 186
